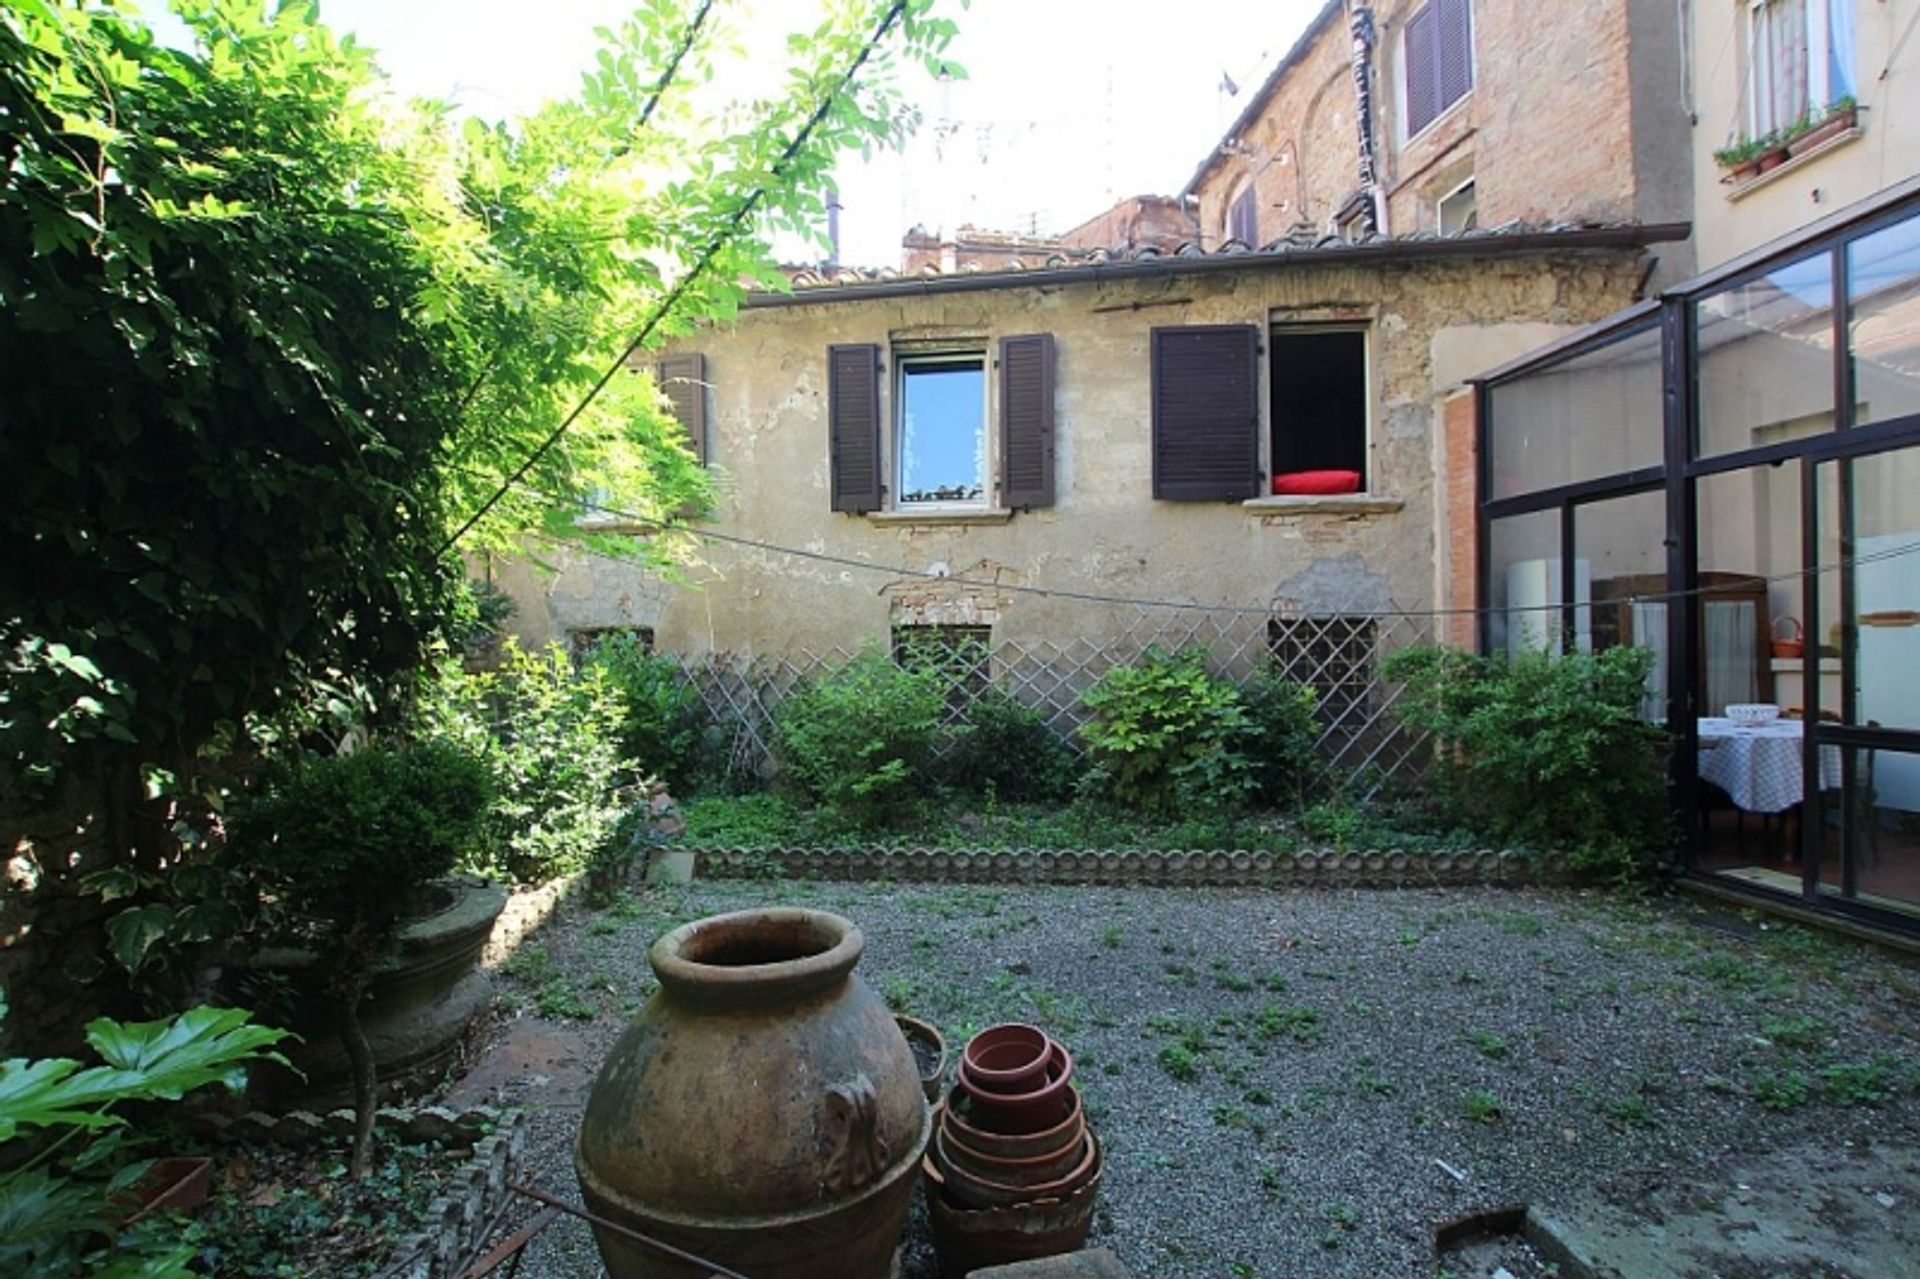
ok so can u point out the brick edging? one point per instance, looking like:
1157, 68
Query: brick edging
1199, 868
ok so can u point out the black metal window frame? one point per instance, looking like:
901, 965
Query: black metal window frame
1676, 315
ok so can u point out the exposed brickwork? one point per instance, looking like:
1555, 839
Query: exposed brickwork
973, 247
1546, 133
1460, 456
1141, 221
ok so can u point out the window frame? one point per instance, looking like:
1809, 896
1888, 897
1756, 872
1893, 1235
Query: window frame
1440, 208
1408, 133
1244, 204
906, 358
1277, 330
1762, 115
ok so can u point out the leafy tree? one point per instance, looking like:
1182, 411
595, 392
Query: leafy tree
279, 343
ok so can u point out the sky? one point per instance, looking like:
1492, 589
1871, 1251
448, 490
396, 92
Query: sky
1068, 105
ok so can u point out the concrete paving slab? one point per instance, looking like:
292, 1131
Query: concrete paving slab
1097, 1263
1804, 1212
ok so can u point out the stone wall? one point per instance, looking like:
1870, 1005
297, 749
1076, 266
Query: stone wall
1105, 535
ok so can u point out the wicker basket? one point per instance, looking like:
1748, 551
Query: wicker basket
1793, 643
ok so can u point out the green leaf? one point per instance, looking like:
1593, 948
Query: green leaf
134, 932
111, 884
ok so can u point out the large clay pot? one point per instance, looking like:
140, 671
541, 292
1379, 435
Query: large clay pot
424, 994
763, 1111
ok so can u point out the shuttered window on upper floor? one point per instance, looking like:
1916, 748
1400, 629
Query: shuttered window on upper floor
853, 427
1206, 412
683, 380
1026, 420
1438, 57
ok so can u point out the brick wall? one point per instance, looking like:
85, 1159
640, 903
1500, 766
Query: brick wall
1460, 491
1547, 133
1158, 221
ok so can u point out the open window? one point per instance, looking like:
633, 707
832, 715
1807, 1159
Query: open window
1318, 398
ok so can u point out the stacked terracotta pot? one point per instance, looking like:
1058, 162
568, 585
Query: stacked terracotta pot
1013, 1169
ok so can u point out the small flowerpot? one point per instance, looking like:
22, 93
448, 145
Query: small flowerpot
954, 1155
1002, 1145
969, 1239
1008, 1058
1038, 1108
1773, 159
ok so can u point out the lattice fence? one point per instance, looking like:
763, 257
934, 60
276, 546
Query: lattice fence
1338, 656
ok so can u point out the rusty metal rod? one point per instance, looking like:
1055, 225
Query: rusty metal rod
510, 1248
715, 1271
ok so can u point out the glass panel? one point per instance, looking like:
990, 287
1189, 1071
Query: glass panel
1619, 542
1590, 417
1747, 539
1523, 557
1880, 565
1869, 815
943, 440
1765, 353
1883, 287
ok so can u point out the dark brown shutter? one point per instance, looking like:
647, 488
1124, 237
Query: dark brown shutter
1026, 420
853, 426
1421, 51
1245, 218
683, 380
1206, 412
1453, 50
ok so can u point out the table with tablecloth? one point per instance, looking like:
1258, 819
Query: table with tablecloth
1760, 766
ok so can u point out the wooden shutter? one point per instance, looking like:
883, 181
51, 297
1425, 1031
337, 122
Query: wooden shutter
1245, 218
1421, 50
1453, 50
1026, 420
853, 426
1206, 412
683, 380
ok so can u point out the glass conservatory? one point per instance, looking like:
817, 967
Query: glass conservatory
1729, 475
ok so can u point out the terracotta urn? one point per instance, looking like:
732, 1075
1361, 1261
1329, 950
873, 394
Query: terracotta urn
763, 1111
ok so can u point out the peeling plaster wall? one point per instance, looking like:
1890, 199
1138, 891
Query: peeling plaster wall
1106, 534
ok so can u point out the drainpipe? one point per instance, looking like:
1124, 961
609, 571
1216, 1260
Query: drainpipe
1365, 36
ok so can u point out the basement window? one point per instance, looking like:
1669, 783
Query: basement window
584, 641
1318, 404
1331, 654
961, 655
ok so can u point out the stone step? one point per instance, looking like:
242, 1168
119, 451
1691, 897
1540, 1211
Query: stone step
1097, 1263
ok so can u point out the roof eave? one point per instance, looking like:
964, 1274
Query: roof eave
1374, 253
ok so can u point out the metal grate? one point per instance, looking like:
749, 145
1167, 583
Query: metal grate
1337, 655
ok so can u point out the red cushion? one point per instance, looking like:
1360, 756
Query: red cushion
1295, 483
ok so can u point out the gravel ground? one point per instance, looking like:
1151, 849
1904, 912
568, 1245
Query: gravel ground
1307, 1083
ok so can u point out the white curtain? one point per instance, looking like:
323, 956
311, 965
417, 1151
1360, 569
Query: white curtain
1839, 50
1650, 631
1729, 641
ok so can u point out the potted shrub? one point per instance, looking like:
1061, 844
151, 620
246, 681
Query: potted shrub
1741, 160
351, 844
1840, 116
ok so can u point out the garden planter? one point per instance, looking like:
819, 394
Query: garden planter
1832, 127
929, 1053
1773, 159
1009, 1181
420, 1002
763, 1110
1008, 1058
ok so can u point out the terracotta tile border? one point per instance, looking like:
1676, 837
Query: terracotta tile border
1177, 868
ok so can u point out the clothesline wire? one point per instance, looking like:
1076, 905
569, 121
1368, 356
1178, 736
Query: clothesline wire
645, 526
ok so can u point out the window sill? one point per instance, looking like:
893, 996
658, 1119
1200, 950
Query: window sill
984, 515
1328, 504
1742, 190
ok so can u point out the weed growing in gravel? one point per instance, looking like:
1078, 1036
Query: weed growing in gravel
1299, 1023
1225, 1116
1274, 981
1233, 982
1806, 1034
1629, 1110
1113, 936
1487, 1044
531, 964
1519, 923
1179, 1062
1340, 1217
557, 999
1859, 1083
1782, 1090
1369, 1083
1479, 1106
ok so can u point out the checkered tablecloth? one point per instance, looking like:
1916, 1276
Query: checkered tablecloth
1760, 767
